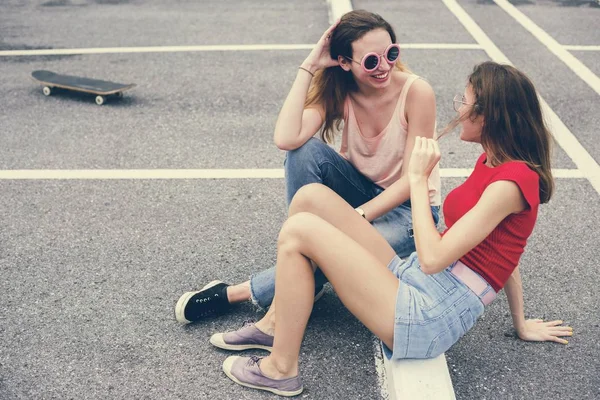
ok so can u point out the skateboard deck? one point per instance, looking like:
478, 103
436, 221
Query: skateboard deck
100, 88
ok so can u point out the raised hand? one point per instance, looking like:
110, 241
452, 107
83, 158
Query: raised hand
319, 57
424, 157
536, 330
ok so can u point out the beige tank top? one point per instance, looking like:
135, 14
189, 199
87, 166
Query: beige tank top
380, 158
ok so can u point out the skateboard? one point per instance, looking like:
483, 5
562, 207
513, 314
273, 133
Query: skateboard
102, 89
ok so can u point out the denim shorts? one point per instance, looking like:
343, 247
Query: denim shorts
432, 311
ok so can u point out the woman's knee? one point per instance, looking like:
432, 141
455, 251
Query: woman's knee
296, 229
308, 198
305, 155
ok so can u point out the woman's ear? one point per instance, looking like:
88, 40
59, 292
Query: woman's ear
344, 63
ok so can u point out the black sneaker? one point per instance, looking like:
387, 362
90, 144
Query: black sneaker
210, 300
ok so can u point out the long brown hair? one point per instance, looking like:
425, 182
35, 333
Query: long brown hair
513, 128
330, 86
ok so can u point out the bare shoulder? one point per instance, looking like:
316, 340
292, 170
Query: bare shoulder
420, 101
421, 90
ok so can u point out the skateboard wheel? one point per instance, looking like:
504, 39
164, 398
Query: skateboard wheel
99, 100
47, 91
118, 95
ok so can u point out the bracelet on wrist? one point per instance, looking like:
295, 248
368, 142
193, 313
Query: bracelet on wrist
360, 212
307, 70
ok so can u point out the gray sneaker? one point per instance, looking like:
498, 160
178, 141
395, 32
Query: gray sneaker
248, 337
246, 371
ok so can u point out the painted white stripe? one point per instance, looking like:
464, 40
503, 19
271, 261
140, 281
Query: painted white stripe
155, 49
581, 158
490, 48
581, 48
441, 46
465, 172
455, 172
124, 174
143, 174
577, 66
568, 173
337, 8
183, 49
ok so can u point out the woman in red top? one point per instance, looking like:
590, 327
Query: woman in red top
425, 303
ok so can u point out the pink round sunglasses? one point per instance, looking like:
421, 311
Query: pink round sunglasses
371, 61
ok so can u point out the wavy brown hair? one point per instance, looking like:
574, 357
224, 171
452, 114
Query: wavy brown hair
513, 128
330, 86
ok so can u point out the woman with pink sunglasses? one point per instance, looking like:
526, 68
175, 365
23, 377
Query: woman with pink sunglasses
352, 78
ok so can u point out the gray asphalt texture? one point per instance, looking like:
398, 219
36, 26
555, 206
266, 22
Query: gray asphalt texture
91, 270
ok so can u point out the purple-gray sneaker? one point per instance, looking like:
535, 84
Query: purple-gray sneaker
246, 371
248, 337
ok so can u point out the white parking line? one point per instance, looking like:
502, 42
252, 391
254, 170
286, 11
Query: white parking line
588, 167
581, 48
103, 174
337, 8
184, 49
577, 66
155, 49
441, 46
149, 174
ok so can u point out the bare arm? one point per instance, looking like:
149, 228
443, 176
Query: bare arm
532, 329
436, 252
514, 294
420, 114
295, 124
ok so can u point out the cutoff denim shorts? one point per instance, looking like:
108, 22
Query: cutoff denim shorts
432, 311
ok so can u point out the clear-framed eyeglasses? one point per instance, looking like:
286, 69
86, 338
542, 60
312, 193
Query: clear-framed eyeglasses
459, 100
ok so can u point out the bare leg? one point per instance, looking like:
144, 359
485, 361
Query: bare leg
322, 201
360, 278
326, 204
239, 293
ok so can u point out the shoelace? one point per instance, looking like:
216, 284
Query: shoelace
248, 322
209, 304
254, 360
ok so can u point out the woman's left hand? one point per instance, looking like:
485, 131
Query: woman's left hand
424, 157
536, 330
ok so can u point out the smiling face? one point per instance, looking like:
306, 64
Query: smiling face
375, 41
470, 127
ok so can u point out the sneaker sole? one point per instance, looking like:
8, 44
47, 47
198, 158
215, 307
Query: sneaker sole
227, 368
183, 300
217, 341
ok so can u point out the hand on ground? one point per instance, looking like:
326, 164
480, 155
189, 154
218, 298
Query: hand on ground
536, 330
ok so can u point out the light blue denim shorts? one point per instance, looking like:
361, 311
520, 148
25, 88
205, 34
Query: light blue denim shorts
432, 311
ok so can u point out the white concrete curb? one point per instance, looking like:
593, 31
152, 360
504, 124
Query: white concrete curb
419, 379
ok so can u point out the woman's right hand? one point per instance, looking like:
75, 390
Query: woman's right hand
536, 330
320, 57
425, 156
